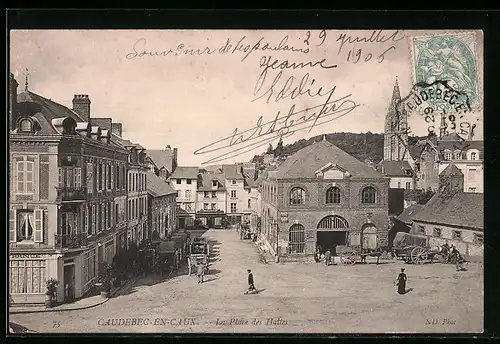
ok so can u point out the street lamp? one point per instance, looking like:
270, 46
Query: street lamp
277, 257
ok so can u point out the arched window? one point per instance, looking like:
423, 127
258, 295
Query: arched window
457, 155
333, 222
333, 195
297, 196
447, 155
368, 195
297, 239
473, 156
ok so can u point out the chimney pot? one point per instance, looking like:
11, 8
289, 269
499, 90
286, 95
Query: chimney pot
81, 105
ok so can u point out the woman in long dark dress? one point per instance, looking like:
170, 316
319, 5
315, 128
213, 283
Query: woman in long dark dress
401, 282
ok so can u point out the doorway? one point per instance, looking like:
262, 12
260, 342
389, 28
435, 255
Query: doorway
210, 222
69, 282
182, 222
329, 240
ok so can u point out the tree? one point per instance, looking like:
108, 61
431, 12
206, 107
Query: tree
279, 148
270, 149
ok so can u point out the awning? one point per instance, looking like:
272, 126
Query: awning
166, 247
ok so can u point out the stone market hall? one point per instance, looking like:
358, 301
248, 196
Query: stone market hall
322, 196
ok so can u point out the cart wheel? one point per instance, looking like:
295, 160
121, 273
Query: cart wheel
419, 255
348, 258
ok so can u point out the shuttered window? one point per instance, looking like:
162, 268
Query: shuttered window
24, 176
12, 225
38, 237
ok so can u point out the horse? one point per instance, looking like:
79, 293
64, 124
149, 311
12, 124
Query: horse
378, 252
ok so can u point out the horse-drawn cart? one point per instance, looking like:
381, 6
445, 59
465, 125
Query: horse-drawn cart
349, 255
413, 248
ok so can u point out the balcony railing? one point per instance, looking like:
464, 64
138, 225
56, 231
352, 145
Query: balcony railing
70, 241
66, 194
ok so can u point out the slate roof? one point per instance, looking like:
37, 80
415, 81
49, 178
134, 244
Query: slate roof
460, 209
205, 182
447, 144
162, 158
157, 187
303, 163
451, 170
47, 111
394, 168
190, 172
409, 213
232, 172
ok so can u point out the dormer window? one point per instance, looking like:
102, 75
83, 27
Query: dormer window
26, 125
447, 155
457, 155
473, 156
233, 182
214, 183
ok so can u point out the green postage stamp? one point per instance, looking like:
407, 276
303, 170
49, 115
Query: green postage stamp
451, 58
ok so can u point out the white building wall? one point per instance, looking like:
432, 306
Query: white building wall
400, 182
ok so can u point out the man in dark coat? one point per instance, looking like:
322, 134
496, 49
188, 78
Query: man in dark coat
328, 257
401, 282
251, 286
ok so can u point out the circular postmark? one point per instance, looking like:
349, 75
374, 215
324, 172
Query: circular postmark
443, 107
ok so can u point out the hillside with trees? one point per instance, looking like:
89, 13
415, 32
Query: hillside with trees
363, 146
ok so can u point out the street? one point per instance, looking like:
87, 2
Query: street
293, 298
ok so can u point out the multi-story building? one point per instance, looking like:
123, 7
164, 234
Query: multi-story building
185, 181
453, 216
161, 206
211, 204
65, 177
322, 196
236, 194
137, 193
433, 155
162, 162
400, 173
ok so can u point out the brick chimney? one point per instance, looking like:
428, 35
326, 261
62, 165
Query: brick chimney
116, 128
81, 105
174, 160
12, 101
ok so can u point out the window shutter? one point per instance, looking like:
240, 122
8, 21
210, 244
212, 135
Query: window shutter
93, 218
12, 225
61, 177
38, 235
112, 210
112, 177
86, 219
78, 177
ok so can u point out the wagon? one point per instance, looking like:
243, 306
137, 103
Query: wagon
349, 255
413, 248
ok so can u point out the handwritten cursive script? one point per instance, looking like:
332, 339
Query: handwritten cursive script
280, 126
375, 37
266, 64
141, 50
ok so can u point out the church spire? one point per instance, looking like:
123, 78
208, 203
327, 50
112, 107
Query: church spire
26, 74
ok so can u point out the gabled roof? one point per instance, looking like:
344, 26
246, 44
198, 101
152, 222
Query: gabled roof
409, 213
162, 158
394, 168
461, 209
303, 163
451, 170
232, 172
205, 182
189, 172
157, 187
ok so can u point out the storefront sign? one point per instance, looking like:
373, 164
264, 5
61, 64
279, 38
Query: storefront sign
25, 256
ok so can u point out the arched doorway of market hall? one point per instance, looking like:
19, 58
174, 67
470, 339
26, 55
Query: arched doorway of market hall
369, 236
332, 231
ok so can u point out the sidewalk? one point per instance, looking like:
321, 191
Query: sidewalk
84, 303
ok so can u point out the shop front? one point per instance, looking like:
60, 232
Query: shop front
28, 273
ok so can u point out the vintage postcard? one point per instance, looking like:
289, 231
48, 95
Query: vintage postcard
246, 181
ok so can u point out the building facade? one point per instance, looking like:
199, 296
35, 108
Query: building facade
400, 173
161, 206
211, 207
66, 178
323, 197
237, 195
185, 181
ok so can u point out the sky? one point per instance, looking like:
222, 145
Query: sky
165, 95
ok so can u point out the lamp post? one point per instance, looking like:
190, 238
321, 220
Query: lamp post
277, 257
